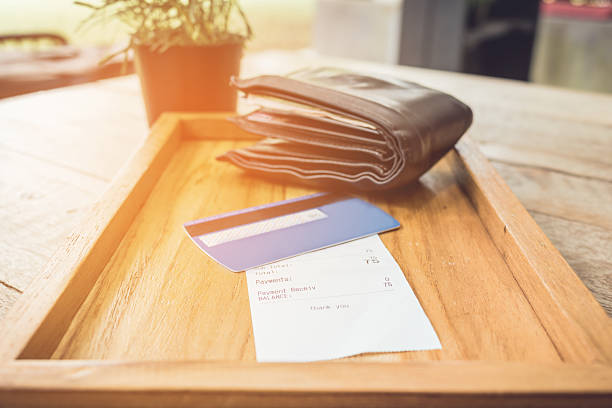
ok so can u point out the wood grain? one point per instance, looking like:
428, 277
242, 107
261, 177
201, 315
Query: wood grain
586, 249
556, 131
501, 95
160, 298
49, 199
191, 384
562, 145
8, 296
562, 303
92, 129
588, 201
61, 129
540, 139
133, 287
54, 298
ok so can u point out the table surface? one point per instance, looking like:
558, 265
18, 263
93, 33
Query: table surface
60, 149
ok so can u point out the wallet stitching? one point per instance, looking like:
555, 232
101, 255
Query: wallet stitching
303, 173
358, 139
361, 115
396, 138
374, 151
286, 157
397, 142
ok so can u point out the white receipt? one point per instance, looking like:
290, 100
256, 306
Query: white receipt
340, 301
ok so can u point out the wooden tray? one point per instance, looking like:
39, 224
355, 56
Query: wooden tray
130, 313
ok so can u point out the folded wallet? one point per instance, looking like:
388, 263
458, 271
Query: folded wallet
343, 130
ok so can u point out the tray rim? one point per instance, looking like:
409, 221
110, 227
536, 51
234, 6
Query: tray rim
558, 296
195, 383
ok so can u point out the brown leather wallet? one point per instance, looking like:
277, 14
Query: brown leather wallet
337, 129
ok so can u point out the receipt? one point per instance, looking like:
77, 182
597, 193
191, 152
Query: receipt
340, 301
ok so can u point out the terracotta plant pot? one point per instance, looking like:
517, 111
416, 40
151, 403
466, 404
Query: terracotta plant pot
188, 78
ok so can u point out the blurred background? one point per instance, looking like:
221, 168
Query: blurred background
562, 43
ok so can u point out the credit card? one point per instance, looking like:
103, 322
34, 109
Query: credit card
256, 236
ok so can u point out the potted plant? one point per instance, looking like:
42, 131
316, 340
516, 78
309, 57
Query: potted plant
185, 50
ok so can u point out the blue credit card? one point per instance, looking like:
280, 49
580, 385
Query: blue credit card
256, 236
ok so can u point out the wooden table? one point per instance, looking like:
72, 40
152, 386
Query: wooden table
60, 149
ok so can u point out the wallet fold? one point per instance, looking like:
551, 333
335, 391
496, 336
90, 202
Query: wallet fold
344, 130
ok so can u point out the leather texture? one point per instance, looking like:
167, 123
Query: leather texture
406, 129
